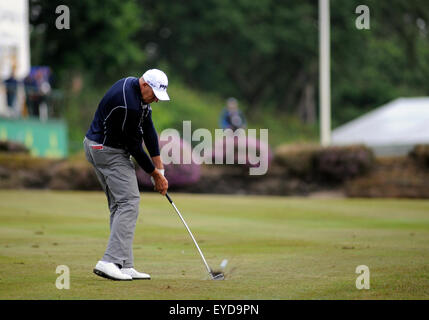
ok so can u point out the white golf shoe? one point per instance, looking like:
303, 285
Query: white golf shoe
135, 274
111, 271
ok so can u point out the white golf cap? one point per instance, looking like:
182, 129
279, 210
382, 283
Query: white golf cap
158, 81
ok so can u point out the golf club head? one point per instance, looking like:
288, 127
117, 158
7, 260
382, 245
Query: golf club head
217, 275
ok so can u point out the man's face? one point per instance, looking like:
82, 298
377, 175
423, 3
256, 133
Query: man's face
147, 93
232, 107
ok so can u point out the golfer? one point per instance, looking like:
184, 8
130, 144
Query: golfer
122, 121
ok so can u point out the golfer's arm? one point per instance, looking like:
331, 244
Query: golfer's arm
157, 162
137, 151
134, 143
150, 138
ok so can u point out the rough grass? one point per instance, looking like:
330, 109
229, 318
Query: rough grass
278, 248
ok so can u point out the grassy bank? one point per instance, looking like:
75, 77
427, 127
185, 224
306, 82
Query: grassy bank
277, 248
203, 109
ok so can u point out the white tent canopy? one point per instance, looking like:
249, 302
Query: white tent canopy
393, 128
14, 38
14, 49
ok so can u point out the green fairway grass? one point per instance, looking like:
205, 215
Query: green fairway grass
277, 248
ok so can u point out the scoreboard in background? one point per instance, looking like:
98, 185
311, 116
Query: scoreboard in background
43, 139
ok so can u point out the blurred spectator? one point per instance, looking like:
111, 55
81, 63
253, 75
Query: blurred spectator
232, 117
37, 89
11, 85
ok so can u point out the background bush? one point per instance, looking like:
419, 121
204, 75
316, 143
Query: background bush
420, 154
298, 159
338, 164
178, 175
327, 165
12, 146
395, 177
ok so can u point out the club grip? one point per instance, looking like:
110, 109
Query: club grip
168, 197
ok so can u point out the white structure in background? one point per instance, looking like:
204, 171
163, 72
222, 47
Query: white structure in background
14, 47
392, 129
325, 72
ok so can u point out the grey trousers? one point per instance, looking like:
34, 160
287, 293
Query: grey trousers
116, 173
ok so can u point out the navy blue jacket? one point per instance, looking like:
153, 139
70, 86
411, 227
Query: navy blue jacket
122, 120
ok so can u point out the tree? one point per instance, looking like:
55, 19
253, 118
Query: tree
101, 40
264, 52
250, 49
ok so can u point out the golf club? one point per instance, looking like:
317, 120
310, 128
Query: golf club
214, 275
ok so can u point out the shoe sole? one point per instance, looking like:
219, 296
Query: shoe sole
141, 278
104, 275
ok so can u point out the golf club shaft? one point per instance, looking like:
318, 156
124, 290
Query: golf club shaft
189, 230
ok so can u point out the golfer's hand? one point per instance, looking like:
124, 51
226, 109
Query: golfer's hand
160, 182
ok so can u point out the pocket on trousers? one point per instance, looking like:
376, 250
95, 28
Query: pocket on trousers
100, 156
108, 157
